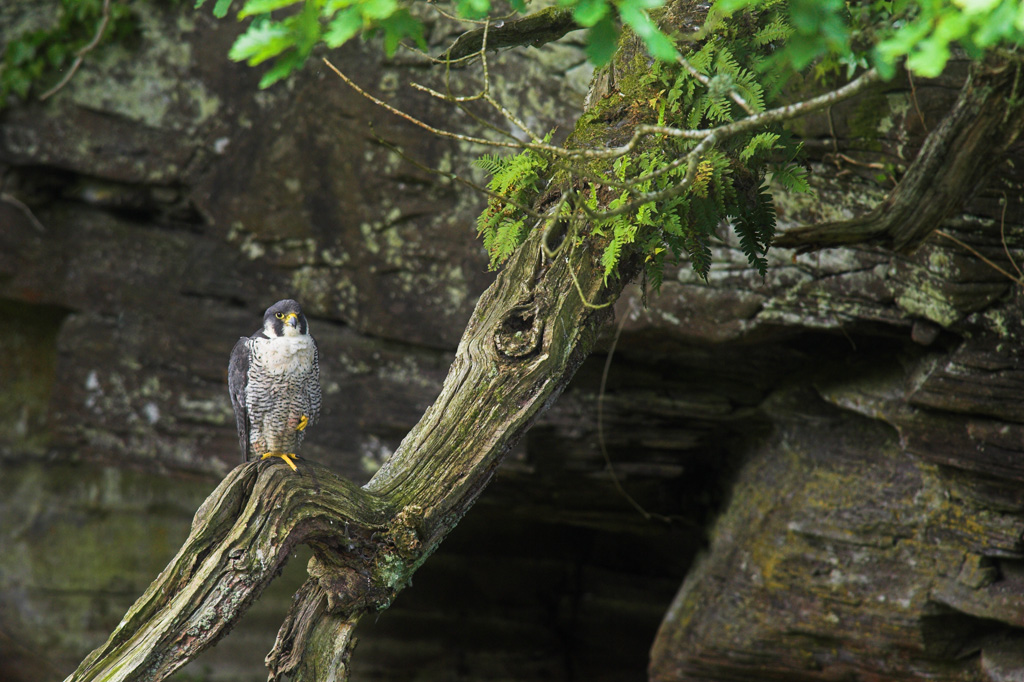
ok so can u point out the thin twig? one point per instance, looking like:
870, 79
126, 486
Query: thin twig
913, 98
535, 29
458, 178
552, 219
415, 121
974, 251
449, 97
692, 159
583, 298
18, 204
80, 55
448, 15
600, 425
855, 162
706, 82
730, 129
708, 137
455, 61
1002, 238
721, 132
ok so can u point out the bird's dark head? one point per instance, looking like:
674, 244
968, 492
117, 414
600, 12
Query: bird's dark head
285, 318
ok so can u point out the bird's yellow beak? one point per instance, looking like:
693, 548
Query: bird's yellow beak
291, 319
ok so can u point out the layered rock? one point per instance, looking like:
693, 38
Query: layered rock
827, 461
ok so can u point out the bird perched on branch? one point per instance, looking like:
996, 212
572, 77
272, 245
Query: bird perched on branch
274, 380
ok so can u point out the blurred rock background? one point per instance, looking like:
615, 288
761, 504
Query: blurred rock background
830, 458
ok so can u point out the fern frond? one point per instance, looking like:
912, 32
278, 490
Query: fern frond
516, 179
703, 58
507, 238
755, 225
699, 252
672, 225
792, 176
762, 142
749, 89
766, 219
654, 271
776, 31
719, 108
725, 62
704, 216
610, 257
748, 242
489, 163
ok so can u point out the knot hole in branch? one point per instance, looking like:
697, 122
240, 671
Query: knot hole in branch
519, 333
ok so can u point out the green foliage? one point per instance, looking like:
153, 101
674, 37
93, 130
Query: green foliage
286, 31
754, 222
728, 185
289, 39
36, 60
679, 227
502, 225
831, 34
835, 34
928, 28
729, 182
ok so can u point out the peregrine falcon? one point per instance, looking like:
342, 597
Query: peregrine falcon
274, 380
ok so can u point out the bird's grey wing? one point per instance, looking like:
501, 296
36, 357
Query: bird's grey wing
238, 379
313, 385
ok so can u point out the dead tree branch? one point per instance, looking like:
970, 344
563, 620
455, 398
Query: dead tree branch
956, 158
535, 29
527, 336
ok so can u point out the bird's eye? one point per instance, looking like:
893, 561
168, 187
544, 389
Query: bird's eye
279, 316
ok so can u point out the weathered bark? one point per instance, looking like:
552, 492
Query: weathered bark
956, 158
527, 336
535, 29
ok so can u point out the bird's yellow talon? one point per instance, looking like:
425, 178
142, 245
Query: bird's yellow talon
287, 457
303, 423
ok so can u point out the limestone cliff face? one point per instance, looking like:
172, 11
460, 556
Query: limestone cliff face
841, 444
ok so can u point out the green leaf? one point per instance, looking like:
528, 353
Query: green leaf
378, 9
930, 57
254, 7
602, 40
19, 82
401, 25
343, 27
21, 52
261, 41
473, 9
589, 12
658, 44
282, 69
56, 54
976, 6
220, 9
999, 24
730, 6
